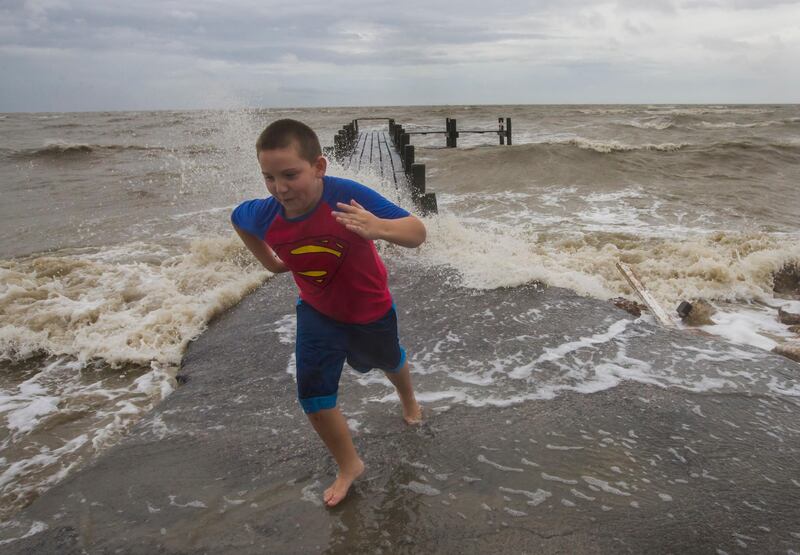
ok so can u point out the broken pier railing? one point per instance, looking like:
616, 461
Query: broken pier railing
391, 154
374, 149
452, 133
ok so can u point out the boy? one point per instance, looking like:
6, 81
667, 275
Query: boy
321, 228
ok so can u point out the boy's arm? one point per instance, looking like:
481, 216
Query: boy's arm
262, 252
406, 232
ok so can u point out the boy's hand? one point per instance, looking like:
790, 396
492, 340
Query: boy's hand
262, 252
406, 232
359, 220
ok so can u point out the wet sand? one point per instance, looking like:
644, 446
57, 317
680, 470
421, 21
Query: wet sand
228, 463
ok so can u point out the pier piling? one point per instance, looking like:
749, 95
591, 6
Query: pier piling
391, 153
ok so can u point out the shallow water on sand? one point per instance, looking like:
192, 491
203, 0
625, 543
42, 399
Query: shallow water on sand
683, 445
116, 251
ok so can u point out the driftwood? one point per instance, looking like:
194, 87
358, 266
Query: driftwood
786, 281
647, 298
700, 313
629, 306
789, 350
788, 318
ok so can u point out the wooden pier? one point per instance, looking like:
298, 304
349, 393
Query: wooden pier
375, 149
390, 154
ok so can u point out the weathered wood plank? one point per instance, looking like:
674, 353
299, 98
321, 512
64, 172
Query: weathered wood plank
374, 149
645, 295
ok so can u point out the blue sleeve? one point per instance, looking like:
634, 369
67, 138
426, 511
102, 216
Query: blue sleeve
345, 190
255, 216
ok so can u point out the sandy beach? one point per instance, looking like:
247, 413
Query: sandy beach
227, 464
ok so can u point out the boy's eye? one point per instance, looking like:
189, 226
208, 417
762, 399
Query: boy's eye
269, 178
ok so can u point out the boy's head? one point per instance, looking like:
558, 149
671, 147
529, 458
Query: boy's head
284, 133
292, 164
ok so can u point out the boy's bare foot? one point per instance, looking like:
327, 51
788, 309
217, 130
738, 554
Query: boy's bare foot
339, 488
412, 415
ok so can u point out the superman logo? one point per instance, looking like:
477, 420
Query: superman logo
316, 260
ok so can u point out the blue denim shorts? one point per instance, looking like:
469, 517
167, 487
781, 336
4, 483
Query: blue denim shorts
323, 345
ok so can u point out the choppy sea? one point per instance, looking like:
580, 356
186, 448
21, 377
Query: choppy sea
116, 248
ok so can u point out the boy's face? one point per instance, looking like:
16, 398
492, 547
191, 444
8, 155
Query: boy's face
293, 181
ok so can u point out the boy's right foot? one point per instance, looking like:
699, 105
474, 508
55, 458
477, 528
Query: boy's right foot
339, 488
413, 414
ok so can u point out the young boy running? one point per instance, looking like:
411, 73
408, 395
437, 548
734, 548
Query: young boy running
322, 228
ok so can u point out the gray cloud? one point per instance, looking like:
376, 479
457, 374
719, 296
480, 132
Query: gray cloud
79, 54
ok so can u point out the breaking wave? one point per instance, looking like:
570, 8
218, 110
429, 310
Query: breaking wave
57, 149
135, 303
725, 266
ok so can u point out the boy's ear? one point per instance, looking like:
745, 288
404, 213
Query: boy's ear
320, 166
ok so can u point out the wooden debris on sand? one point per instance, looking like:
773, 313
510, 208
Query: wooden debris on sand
789, 349
647, 298
788, 318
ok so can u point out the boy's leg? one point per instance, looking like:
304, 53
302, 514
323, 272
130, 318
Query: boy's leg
331, 427
412, 413
376, 345
320, 353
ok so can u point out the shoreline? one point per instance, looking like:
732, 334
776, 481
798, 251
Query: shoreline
228, 463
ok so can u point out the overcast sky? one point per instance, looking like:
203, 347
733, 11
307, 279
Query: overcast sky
63, 55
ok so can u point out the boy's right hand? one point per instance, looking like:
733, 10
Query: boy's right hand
358, 219
406, 232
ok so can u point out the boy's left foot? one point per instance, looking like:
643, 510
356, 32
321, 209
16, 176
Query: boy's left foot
339, 488
412, 415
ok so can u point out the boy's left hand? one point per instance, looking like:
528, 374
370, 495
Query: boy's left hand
359, 220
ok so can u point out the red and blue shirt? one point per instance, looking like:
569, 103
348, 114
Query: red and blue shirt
338, 272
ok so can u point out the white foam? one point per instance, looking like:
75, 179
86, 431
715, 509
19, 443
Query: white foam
25, 408
710, 265
309, 493
46, 458
498, 466
558, 479
556, 196
422, 489
611, 146
736, 125
490, 260
36, 527
603, 485
135, 305
61, 388
552, 354
535, 498
286, 328
195, 504
581, 495
79, 303
756, 326
788, 306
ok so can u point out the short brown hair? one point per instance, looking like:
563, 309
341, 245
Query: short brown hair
283, 133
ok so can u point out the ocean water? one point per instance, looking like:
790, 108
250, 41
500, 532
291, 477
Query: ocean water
116, 249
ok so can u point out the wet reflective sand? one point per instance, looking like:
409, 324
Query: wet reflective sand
624, 438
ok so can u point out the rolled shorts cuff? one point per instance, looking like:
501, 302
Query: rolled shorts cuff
316, 404
401, 363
